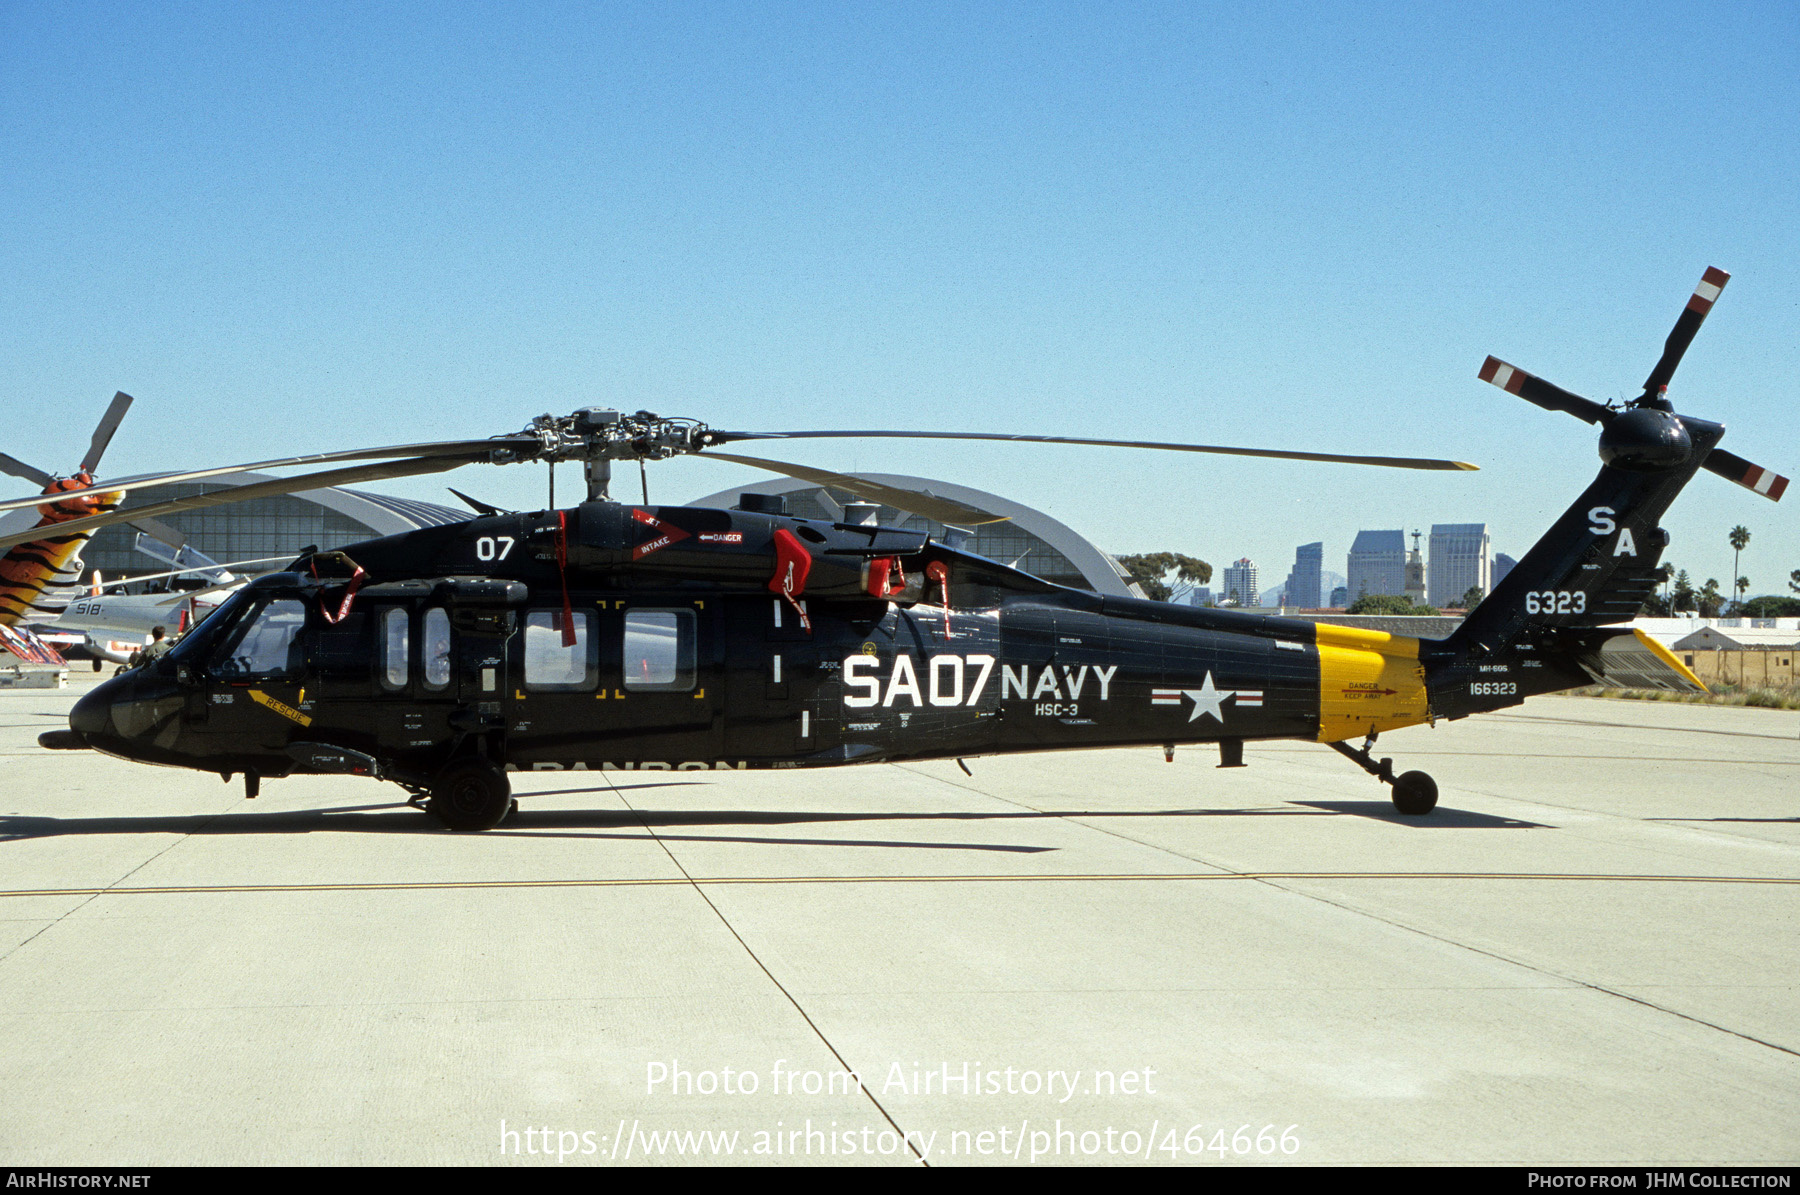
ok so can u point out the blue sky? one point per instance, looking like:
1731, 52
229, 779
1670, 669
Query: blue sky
303, 227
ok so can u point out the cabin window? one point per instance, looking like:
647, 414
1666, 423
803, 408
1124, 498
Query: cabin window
434, 648
659, 649
551, 664
264, 645
396, 638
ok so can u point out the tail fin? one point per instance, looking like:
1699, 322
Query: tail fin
1553, 622
39, 578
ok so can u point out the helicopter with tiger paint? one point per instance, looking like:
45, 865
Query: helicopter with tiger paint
613, 635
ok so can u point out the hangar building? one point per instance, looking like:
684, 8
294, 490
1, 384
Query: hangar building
1030, 540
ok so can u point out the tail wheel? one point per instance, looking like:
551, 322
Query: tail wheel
470, 794
1415, 793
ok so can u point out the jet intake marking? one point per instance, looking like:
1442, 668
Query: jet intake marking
666, 534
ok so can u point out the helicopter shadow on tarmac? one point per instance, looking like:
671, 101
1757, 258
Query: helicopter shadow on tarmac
1441, 819
595, 823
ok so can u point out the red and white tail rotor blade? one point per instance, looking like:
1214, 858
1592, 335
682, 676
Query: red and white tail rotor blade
1686, 325
1537, 391
1754, 478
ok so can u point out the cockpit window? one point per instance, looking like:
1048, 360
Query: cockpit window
264, 645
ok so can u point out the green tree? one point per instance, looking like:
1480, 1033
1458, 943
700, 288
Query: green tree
1473, 597
1709, 599
1794, 580
1771, 606
1659, 605
1683, 596
1151, 570
1387, 603
1740, 539
1743, 587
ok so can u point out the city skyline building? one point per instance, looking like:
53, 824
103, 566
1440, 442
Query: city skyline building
1302, 588
1460, 560
1238, 585
1415, 574
1503, 564
1377, 564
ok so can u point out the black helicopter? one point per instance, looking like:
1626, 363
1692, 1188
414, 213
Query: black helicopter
622, 636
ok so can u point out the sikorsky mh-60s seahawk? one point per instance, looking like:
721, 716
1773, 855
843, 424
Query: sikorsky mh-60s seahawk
613, 635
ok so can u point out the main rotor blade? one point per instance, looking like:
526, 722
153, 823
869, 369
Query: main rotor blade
1755, 478
18, 468
103, 432
941, 510
476, 504
1536, 390
1686, 324
242, 493
160, 531
471, 449
183, 572
1391, 462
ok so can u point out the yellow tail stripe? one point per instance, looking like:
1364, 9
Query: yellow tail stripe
1368, 681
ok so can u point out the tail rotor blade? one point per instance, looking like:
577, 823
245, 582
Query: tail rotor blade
18, 468
1692, 316
1541, 393
1754, 478
103, 434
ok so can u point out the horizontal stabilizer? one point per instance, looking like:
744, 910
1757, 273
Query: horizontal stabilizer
1632, 660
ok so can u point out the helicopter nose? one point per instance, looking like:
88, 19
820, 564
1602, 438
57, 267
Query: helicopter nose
91, 717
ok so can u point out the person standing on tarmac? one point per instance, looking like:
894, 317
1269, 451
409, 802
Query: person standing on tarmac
151, 651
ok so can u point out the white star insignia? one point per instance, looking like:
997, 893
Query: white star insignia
1206, 700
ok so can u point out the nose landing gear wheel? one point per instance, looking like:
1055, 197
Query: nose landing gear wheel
1415, 793
470, 794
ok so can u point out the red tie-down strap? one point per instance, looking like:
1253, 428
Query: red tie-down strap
886, 578
356, 579
562, 573
938, 571
792, 563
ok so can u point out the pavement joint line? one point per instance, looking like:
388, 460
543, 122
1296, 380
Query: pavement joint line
1736, 734
671, 881
1272, 880
95, 894
763, 967
1538, 970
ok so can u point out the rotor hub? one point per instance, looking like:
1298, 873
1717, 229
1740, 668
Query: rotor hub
1645, 440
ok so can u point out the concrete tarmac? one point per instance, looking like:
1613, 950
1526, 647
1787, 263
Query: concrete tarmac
1585, 956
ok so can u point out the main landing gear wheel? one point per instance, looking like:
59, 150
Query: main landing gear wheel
471, 794
1415, 793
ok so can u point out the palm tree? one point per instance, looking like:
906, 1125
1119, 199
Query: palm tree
1740, 539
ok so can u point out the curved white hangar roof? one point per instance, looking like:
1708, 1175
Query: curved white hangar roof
1031, 540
